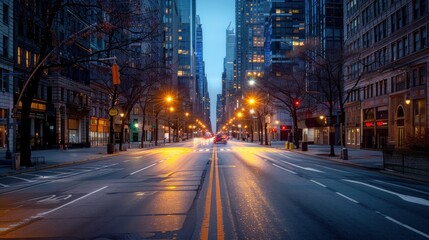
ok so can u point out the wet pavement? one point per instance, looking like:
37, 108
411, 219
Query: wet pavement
372, 159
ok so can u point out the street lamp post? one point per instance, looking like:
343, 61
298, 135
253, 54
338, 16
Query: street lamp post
186, 124
113, 111
171, 109
121, 137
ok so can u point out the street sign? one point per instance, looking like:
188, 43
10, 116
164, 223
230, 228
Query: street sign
113, 112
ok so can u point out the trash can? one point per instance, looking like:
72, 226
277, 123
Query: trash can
344, 154
286, 145
304, 146
110, 148
17, 161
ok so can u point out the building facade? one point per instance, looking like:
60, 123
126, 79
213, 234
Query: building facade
324, 30
6, 74
284, 32
387, 80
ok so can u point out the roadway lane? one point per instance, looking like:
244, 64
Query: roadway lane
273, 194
195, 190
148, 194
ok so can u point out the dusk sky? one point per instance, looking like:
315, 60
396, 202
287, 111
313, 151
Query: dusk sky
215, 17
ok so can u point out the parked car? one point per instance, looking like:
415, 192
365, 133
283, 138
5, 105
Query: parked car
220, 139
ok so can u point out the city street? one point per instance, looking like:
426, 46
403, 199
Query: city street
198, 190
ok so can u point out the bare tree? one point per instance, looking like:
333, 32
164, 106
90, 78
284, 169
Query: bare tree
114, 33
287, 93
325, 78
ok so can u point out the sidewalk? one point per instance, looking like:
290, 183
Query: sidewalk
365, 158
55, 157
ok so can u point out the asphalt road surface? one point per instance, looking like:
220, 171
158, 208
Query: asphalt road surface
197, 190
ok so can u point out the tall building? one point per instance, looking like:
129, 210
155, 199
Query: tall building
186, 65
6, 74
199, 64
251, 52
219, 112
324, 31
60, 108
284, 31
387, 80
171, 23
228, 65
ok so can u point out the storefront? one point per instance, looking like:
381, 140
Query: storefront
375, 128
99, 134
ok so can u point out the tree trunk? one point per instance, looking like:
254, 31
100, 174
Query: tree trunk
295, 128
261, 132
156, 131
331, 134
266, 133
143, 139
121, 137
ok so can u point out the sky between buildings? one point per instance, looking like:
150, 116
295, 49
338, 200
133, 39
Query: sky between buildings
215, 17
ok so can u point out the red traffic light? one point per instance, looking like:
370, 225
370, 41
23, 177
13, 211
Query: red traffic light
296, 102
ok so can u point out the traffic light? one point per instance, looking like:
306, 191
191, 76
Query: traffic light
296, 102
115, 74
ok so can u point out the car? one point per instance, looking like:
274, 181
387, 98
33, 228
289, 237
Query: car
220, 139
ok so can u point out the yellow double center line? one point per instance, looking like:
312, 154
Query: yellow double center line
204, 233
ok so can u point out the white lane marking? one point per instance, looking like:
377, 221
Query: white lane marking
348, 198
304, 168
161, 161
71, 202
23, 179
400, 186
291, 158
40, 215
208, 149
4, 185
297, 166
55, 172
318, 183
332, 169
55, 199
285, 169
143, 169
404, 197
404, 225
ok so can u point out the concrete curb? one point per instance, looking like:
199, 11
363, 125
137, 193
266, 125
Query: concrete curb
49, 166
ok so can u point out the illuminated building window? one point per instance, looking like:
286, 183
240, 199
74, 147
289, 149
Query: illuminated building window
35, 58
19, 55
27, 58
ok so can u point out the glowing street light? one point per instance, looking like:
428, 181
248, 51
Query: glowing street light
252, 101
